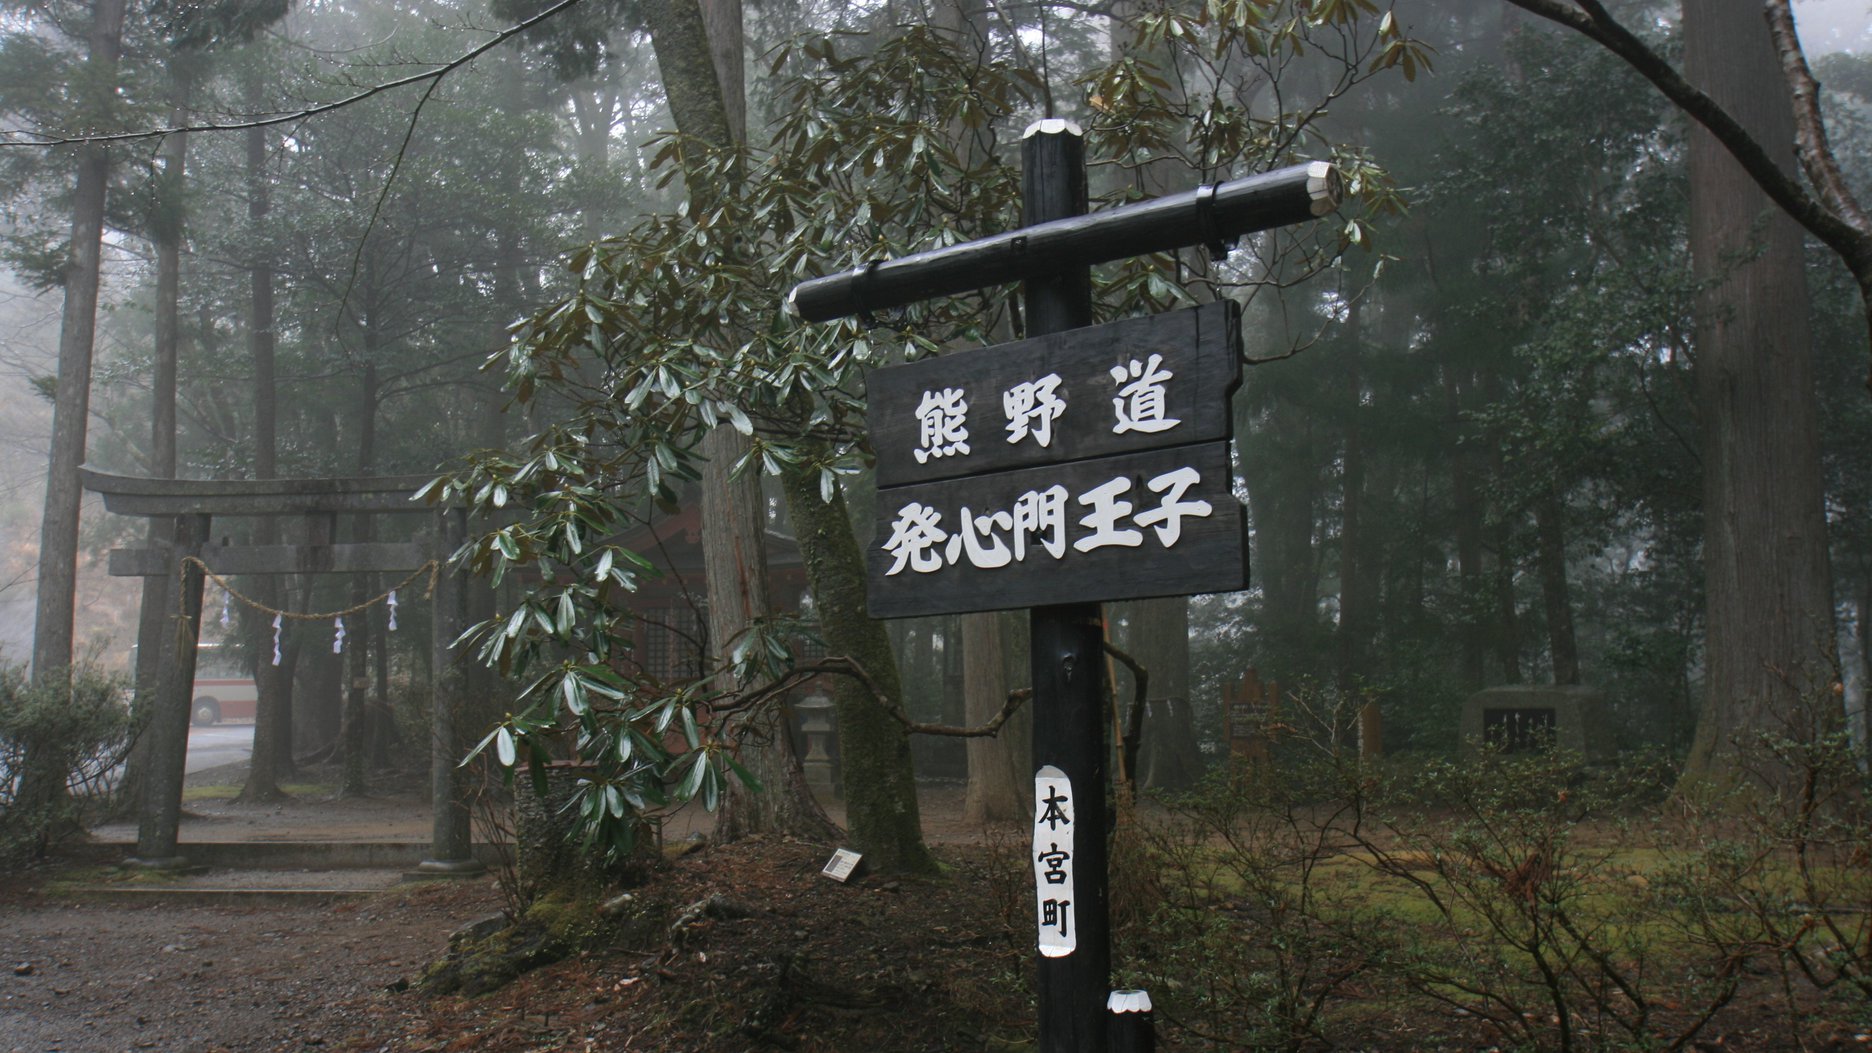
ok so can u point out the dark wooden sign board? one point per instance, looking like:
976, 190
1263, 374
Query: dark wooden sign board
1207, 552
1079, 466
1096, 404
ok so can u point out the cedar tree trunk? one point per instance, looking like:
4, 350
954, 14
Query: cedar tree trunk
1769, 608
46, 766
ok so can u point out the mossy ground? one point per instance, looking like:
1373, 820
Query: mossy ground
228, 792
552, 929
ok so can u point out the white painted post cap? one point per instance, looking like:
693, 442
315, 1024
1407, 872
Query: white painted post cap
1325, 186
1052, 126
1130, 1000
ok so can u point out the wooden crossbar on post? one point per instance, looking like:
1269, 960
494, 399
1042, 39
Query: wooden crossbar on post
131, 496
1224, 212
370, 557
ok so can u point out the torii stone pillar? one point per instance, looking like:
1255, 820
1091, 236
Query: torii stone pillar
451, 852
160, 814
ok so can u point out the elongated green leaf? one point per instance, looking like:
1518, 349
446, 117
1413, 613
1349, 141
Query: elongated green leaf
698, 770
691, 733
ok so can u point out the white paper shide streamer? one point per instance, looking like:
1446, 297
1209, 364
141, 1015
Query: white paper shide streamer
393, 610
276, 638
338, 635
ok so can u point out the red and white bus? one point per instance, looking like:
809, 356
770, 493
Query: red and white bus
223, 692
223, 689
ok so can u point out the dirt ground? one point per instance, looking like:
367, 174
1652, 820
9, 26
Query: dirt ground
747, 947
104, 979
782, 959
785, 959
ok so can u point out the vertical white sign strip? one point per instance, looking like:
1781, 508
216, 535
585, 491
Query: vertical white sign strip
1053, 862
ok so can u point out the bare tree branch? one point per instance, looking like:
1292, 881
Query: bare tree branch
1815, 149
850, 667
979, 731
396, 167
1590, 19
23, 137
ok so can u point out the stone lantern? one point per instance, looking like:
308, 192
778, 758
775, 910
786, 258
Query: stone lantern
815, 712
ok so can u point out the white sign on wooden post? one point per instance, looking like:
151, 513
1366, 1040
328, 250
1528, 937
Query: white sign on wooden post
1053, 862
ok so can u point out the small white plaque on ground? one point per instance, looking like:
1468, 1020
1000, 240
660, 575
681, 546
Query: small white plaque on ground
842, 865
1053, 862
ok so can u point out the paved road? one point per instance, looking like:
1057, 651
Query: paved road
218, 744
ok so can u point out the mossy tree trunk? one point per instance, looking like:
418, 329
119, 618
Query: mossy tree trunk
166, 239
733, 545
1159, 635
271, 759
46, 767
364, 530
879, 785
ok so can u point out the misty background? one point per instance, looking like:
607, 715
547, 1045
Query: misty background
523, 154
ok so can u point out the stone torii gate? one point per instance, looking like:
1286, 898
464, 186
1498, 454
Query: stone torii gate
191, 505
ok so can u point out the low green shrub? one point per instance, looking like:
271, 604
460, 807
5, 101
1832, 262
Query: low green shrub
1525, 902
62, 746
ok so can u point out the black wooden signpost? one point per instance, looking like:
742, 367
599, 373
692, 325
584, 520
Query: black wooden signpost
1079, 465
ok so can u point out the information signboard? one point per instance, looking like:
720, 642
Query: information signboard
1087, 465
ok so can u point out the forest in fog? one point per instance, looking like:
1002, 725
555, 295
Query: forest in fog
1470, 436
540, 410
